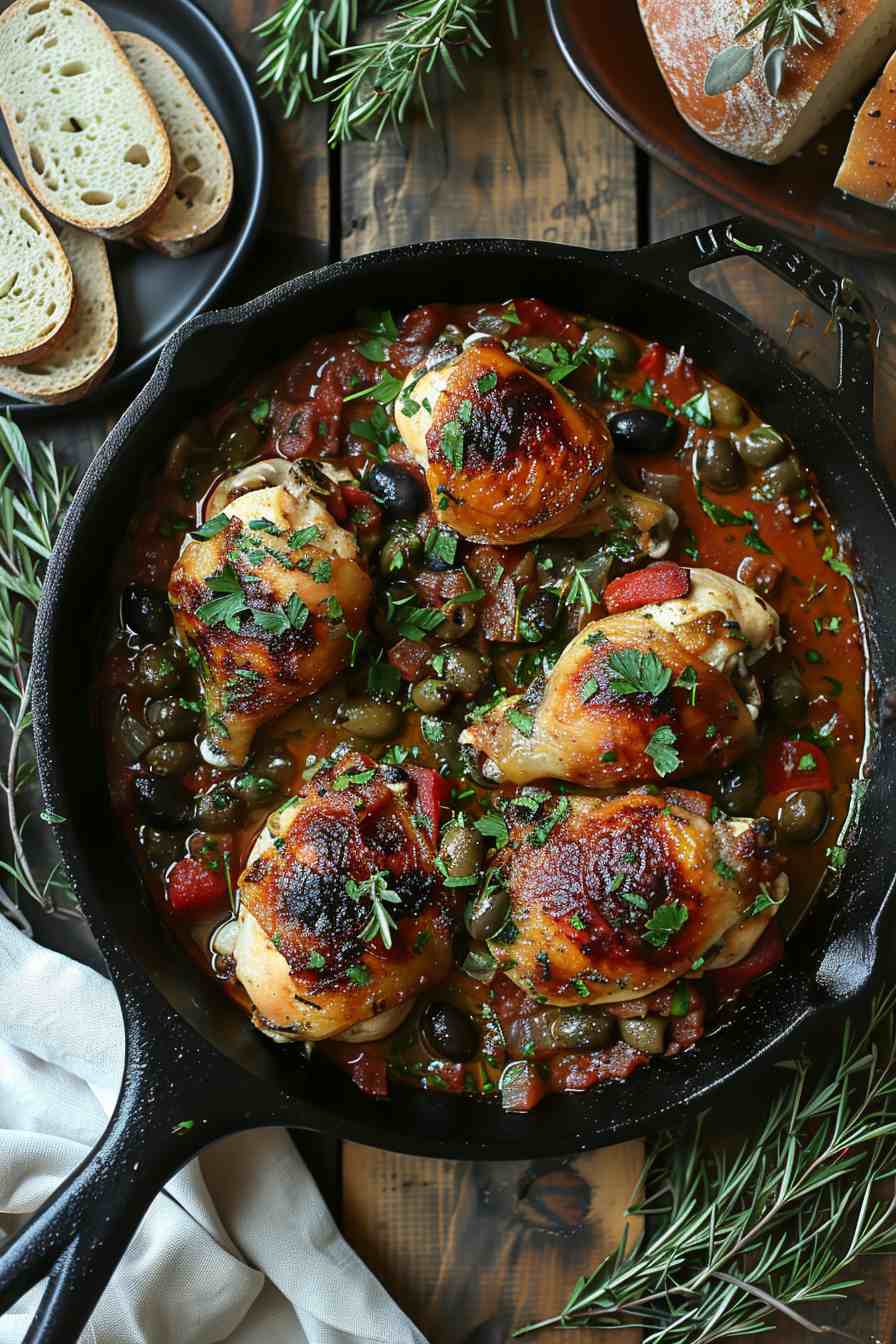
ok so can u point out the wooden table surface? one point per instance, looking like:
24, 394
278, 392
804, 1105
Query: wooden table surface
473, 1250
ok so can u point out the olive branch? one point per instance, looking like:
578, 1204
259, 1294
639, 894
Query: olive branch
785, 24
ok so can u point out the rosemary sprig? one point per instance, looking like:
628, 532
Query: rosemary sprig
34, 494
375, 889
735, 1240
785, 24
308, 56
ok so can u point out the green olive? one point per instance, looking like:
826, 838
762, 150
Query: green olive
461, 850
625, 350
787, 696
466, 671
171, 718
171, 758
365, 718
784, 478
460, 619
802, 817
718, 465
432, 695
551, 1029
740, 788
239, 440
441, 734
274, 763
402, 551
162, 848
762, 447
644, 1033
487, 913
254, 789
728, 409
160, 668
219, 810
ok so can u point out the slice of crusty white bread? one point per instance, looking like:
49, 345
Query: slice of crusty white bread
869, 168
82, 358
203, 170
36, 287
818, 80
91, 145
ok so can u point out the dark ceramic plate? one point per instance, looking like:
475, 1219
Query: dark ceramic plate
613, 60
156, 294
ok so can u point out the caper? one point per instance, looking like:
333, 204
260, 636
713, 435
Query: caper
802, 816
787, 696
162, 848
402, 551
718, 465
448, 1033
625, 350
762, 447
460, 619
238, 439
365, 718
160, 668
728, 409
740, 788
172, 717
254, 789
487, 913
274, 763
432, 695
644, 1033
171, 758
466, 671
219, 810
784, 478
461, 850
538, 615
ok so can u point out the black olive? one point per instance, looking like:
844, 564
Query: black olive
145, 610
487, 913
784, 478
239, 440
276, 763
160, 668
802, 816
538, 615
162, 848
399, 492
739, 789
643, 431
718, 465
171, 758
219, 809
164, 801
448, 1033
170, 719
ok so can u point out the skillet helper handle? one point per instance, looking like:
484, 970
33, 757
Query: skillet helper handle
672, 261
160, 1122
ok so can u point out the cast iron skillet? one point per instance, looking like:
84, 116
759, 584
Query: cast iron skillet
191, 1054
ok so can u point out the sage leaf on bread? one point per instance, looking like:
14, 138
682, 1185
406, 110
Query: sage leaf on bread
727, 69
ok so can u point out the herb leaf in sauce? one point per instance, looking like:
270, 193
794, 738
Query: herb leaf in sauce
665, 921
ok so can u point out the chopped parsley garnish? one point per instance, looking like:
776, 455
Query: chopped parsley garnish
523, 723
433, 729
261, 411
634, 898
359, 975
419, 622
589, 689
764, 901
384, 390
316, 961
838, 566
681, 1000
661, 750
211, 527
539, 836
486, 383
698, 409
688, 682
452, 444
836, 857
383, 679
665, 921
637, 673
322, 572
494, 827
577, 922
227, 608
725, 871
378, 430
441, 544
349, 777
303, 537
806, 762
291, 617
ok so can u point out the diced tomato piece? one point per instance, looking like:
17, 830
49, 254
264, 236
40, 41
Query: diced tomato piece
194, 889
368, 1073
410, 657
436, 587
682, 381
363, 510
337, 506
661, 582
767, 952
432, 791
536, 315
797, 765
522, 1087
653, 361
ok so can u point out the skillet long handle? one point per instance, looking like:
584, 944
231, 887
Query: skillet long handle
162, 1119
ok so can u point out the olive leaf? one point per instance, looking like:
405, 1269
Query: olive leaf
773, 67
728, 68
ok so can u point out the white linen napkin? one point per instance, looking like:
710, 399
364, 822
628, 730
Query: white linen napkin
254, 1260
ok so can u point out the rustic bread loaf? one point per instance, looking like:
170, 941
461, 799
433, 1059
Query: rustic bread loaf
82, 358
203, 171
869, 168
817, 81
36, 288
89, 140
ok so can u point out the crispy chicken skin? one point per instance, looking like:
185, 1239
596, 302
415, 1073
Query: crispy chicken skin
508, 457
280, 553
582, 726
301, 951
623, 896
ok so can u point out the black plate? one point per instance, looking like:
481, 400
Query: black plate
156, 294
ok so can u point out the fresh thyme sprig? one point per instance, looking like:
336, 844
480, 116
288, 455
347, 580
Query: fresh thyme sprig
309, 56
735, 1240
785, 24
34, 495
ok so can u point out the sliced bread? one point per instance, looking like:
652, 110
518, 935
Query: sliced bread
36, 288
869, 168
203, 170
91, 145
82, 358
817, 80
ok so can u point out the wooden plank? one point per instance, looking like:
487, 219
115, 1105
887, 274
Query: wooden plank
521, 153
474, 1250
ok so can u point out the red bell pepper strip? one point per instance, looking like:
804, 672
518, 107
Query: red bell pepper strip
194, 889
432, 791
657, 583
766, 953
653, 361
797, 765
